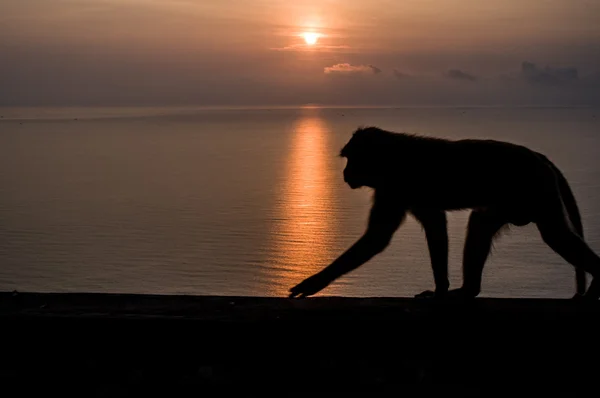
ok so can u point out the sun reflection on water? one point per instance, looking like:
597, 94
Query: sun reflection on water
304, 219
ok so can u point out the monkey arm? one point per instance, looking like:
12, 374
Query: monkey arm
365, 248
385, 218
436, 232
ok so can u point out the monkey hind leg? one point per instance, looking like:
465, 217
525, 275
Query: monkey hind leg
558, 233
483, 227
572, 210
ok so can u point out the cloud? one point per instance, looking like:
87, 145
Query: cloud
375, 69
456, 74
548, 76
346, 69
400, 75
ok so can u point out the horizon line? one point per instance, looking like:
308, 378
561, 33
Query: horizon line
53, 112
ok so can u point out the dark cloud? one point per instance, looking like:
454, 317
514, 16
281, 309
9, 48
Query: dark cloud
375, 69
400, 75
549, 75
348, 69
47, 76
456, 74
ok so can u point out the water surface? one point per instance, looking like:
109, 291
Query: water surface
250, 201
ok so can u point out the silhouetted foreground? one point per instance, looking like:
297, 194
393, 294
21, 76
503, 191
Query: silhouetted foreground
501, 183
126, 345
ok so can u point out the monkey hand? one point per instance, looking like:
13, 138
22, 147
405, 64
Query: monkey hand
425, 294
310, 286
429, 294
462, 294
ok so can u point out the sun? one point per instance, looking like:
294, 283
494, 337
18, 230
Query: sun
310, 38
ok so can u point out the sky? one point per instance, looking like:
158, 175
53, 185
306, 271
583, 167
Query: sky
253, 52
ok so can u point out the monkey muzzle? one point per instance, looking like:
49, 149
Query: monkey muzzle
352, 183
352, 179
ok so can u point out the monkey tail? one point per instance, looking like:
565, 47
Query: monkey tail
570, 203
574, 216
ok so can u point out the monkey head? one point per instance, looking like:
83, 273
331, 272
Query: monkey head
363, 158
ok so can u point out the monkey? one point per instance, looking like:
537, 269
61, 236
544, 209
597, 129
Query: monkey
503, 184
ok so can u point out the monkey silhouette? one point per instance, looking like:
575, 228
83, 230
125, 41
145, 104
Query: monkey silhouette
501, 183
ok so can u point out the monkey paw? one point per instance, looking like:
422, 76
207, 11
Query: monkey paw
430, 294
309, 286
584, 299
425, 294
461, 294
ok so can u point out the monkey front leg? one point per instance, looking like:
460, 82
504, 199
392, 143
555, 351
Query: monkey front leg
358, 254
384, 219
436, 232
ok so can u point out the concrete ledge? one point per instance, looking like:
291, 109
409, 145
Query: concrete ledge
245, 308
113, 344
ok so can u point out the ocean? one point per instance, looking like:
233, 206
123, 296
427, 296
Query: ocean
250, 201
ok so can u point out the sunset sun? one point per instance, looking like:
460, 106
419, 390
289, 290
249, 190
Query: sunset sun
310, 38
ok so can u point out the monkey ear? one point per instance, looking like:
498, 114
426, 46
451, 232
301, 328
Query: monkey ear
358, 130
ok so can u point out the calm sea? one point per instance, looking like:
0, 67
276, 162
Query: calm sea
250, 201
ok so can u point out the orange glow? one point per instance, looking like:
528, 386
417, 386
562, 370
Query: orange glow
310, 38
302, 237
